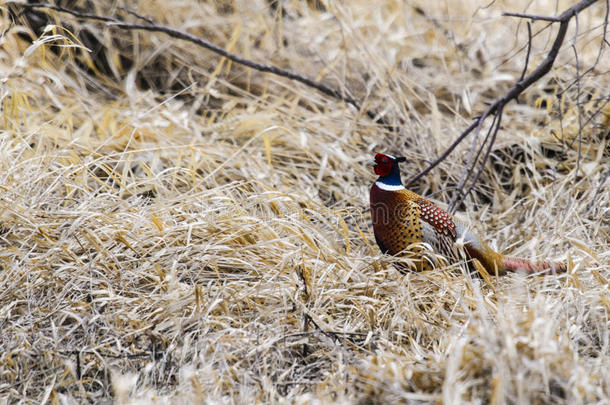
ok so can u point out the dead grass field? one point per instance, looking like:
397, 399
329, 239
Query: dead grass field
180, 229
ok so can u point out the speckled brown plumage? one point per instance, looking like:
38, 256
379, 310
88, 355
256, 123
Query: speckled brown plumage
398, 221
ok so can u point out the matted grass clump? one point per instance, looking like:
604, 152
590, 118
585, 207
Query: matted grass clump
176, 228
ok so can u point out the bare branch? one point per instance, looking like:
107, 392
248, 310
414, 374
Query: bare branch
174, 33
497, 105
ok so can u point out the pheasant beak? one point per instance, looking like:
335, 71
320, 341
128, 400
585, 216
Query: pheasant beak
370, 163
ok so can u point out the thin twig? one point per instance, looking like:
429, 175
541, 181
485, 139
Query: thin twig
529, 49
532, 16
111, 356
487, 152
138, 15
470, 162
596, 112
309, 319
578, 94
579, 135
599, 53
519, 50
599, 188
445, 154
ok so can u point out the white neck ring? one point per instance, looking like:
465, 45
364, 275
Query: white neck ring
389, 187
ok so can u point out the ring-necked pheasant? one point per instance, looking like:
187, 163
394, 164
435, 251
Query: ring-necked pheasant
403, 219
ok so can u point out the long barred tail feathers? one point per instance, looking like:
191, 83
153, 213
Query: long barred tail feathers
519, 264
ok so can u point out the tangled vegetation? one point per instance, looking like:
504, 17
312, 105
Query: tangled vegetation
178, 228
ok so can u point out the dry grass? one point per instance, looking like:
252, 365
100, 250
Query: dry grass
182, 229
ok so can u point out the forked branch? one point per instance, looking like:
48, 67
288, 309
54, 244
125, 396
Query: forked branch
498, 105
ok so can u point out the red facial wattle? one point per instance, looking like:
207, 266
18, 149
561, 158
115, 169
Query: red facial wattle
383, 165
